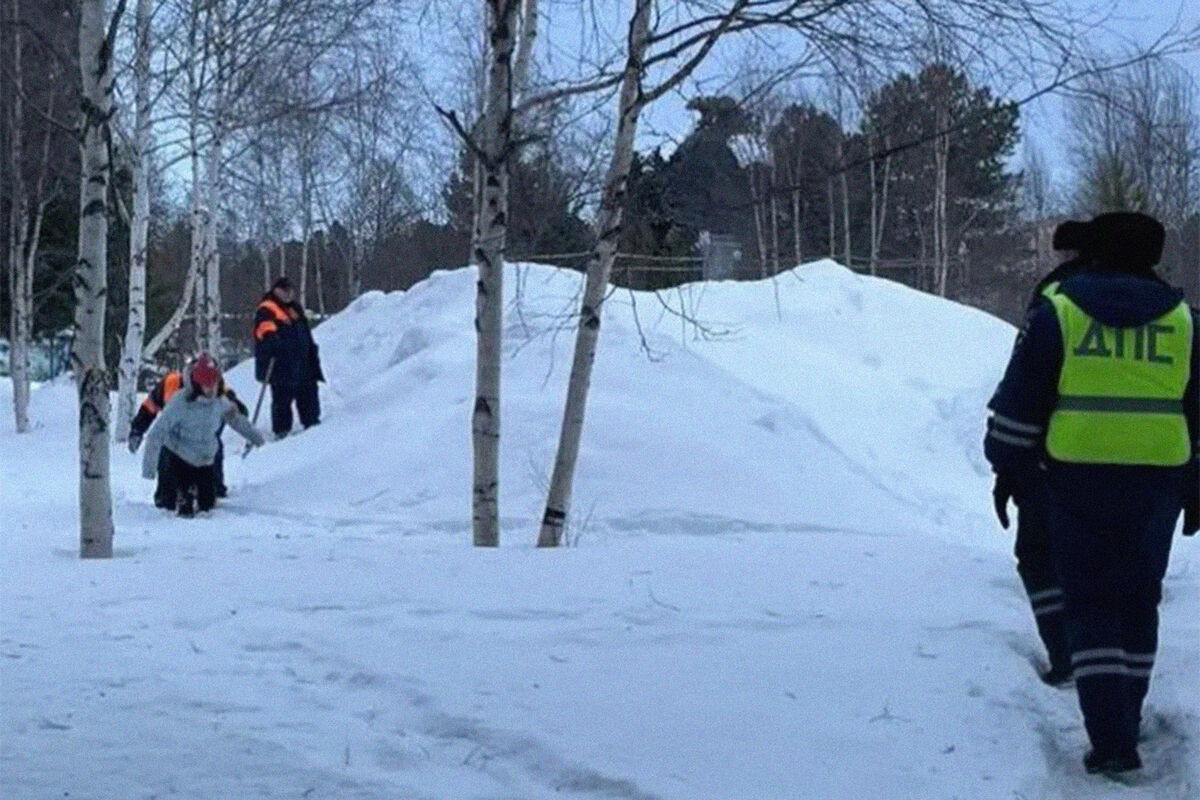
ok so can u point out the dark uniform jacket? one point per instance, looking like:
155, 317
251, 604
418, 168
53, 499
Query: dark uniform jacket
281, 332
1028, 394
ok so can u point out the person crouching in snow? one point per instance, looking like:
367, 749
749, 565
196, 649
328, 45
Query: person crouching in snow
165, 492
187, 429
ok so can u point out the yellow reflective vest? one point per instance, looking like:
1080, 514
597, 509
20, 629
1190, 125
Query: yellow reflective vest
1120, 393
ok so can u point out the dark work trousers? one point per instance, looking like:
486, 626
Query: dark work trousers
1112, 528
166, 490
1035, 565
308, 405
195, 482
219, 465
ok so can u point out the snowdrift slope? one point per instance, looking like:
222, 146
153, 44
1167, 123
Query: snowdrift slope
850, 626
822, 399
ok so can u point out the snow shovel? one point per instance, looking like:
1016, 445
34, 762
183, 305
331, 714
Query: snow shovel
258, 406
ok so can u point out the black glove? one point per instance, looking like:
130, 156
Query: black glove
135, 441
1002, 492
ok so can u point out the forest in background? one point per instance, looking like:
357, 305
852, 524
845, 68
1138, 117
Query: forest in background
335, 173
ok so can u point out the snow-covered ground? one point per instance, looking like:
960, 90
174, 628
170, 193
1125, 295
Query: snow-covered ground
786, 580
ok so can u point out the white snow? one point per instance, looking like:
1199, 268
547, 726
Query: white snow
786, 579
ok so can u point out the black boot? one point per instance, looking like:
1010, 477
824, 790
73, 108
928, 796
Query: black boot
1060, 677
1111, 764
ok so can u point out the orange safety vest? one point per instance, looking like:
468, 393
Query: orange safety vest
171, 383
280, 316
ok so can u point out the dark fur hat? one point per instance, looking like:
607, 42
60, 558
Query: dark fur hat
1073, 235
1127, 241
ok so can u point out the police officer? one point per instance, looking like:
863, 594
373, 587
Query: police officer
1028, 490
1104, 388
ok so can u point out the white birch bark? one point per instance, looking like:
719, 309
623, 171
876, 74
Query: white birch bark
487, 247
846, 219
832, 217
774, 210
941, 255
873, 232
797, 209
212, 255
523, 57
139, 228
757, 206
211, 332
599, 269
20, 273
199, 210
91, 281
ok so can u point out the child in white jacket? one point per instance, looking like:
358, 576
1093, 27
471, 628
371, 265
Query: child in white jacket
187, 430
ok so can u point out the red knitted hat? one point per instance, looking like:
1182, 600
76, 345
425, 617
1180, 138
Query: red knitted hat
205, 372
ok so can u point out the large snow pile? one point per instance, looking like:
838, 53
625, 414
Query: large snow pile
787, 581
820, 399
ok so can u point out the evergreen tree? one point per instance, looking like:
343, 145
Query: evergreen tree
980, 132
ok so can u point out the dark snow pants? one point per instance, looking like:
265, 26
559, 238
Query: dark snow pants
218, 466
1035, 565
308, 405
194, 481
1111, 529
166, 490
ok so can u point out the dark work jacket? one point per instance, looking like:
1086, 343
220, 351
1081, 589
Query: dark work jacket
281, 332
1028, 393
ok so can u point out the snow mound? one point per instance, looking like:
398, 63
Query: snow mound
819, 399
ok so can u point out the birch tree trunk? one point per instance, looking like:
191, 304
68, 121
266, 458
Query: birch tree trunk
941, 256
212, 255
797, 210
21, 299
487, 247
759, 208
199, 212
139, 228
598, 271
846, 220
91, 280
832, 217
873, 232
221, 45
774, 205
879, 199
523, 56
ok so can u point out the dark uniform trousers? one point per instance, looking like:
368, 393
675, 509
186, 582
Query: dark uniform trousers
1037, 569
308, 405
1112, 539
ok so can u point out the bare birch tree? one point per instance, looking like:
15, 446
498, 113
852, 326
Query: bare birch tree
28, 119
883, 30
139, 226
20, 278
487, 248
91, 278
632, 99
